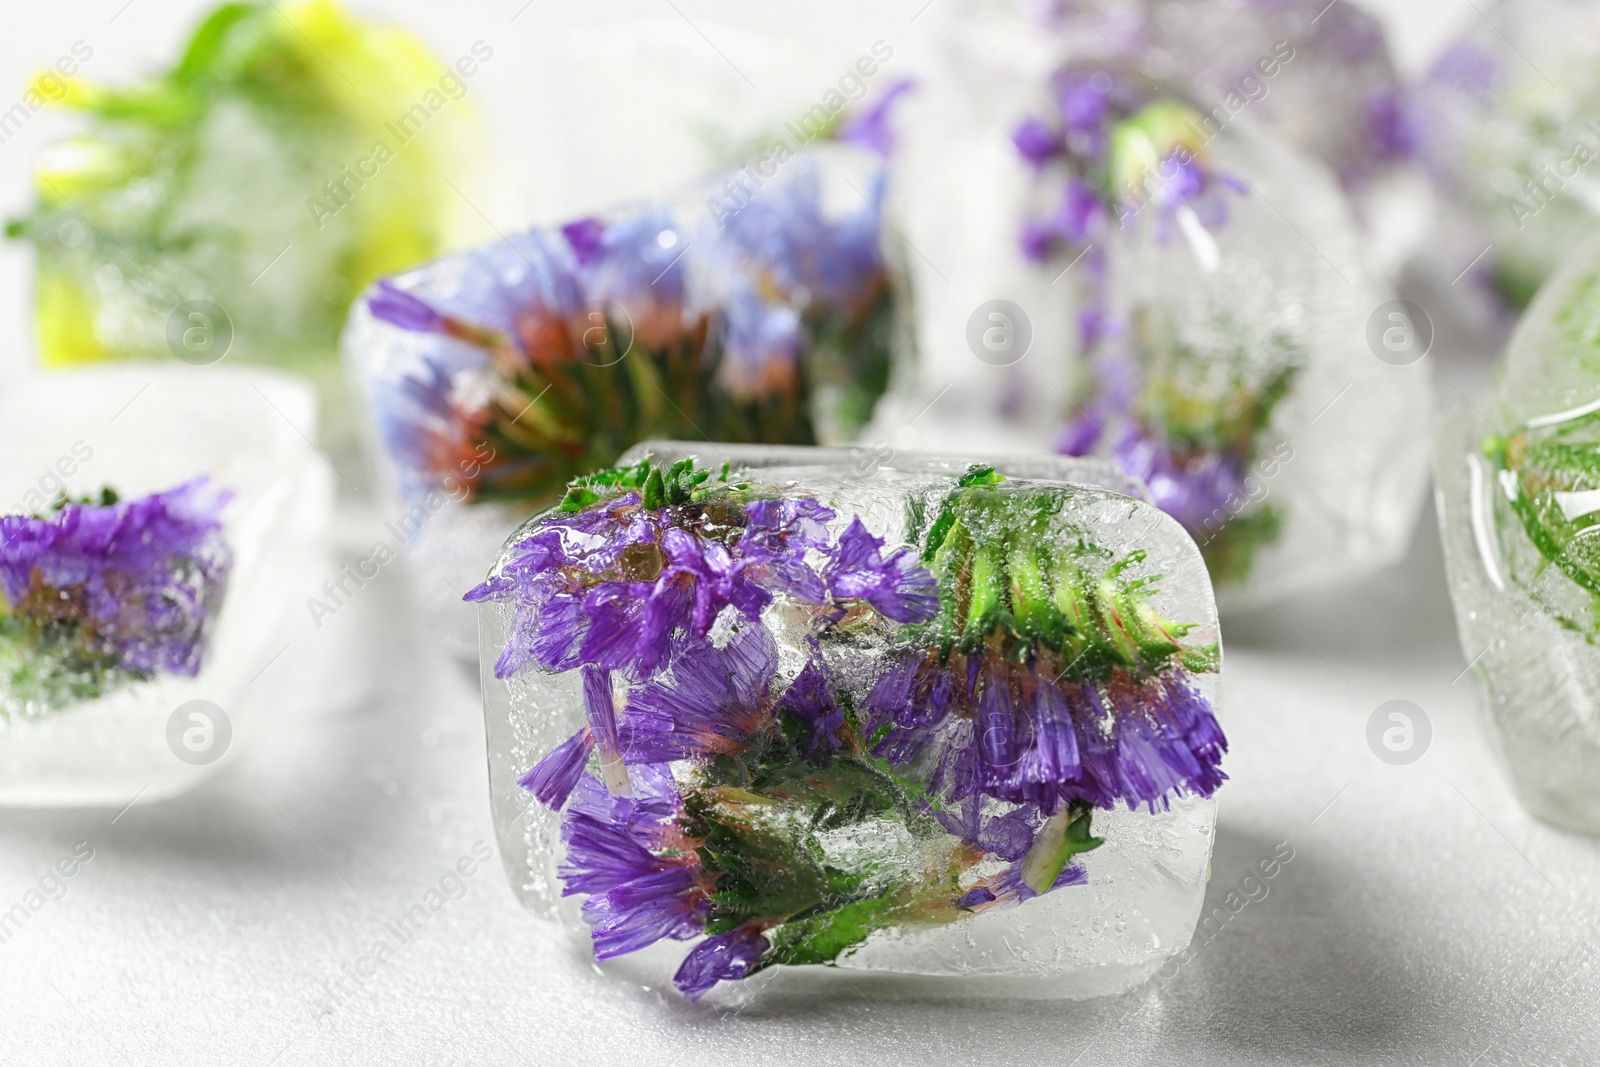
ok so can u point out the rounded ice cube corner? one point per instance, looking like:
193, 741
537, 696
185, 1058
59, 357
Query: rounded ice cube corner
799, 715
158, 524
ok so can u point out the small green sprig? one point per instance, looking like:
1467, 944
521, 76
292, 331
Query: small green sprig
1013, 570
658, 487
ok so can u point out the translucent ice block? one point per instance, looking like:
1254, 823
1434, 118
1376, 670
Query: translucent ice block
1507, 122
1127, 270
1519, 497
493, 377
824, 707
143, 430
236, 202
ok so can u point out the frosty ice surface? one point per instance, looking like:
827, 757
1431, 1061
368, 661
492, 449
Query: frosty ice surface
915, 718
115, 614
1519, 497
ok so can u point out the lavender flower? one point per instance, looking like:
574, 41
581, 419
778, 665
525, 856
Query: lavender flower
720, 958
896, 585
1195, 470
713, 703
1007, 731
1037, 142
131, 585
542, 357
636, 264
612, 587
641, 879
621, 584
397, 307
871, 129
810, 700
777, 263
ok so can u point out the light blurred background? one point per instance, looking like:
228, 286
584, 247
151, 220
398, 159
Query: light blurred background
570, 127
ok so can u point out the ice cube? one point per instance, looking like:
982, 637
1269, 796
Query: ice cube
142, 430
237, 203
494, 377
1507, 121
1518, 510
1193, 300
921, 718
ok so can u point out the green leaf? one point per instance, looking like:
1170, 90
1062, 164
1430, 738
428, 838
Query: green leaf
980, 474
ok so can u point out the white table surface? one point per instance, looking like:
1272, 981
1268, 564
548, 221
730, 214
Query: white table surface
1424, 919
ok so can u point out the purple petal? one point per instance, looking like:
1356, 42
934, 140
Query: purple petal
974, 897
585, 236
719, 958
871, 129
810, 699
642, 912
897, 587
399, 308
1037, 142
553, 778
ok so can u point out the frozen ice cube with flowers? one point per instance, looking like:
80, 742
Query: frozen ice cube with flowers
246, 174
798, 707
497, 376
1506, 118
1196, 291
1519, 499
160, 526
98, 592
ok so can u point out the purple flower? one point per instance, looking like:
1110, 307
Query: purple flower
1008, 835
897, 586
616, 585
635, 263
1080, 208
585, 237
711, 702
140, 580
761, 343
976, 897
555, 776
1467, 67
779, 257
988, 727
1036, 142
720, 958
1206, 488
1084, 100
1010, 886
1038, 240
642, 880
810, 699
871, 128
1162, 739
1390, 126
399, 308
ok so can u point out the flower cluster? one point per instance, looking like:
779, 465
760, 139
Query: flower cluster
106, 588
1120, 155
1192, 445
554, 351
749, 775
